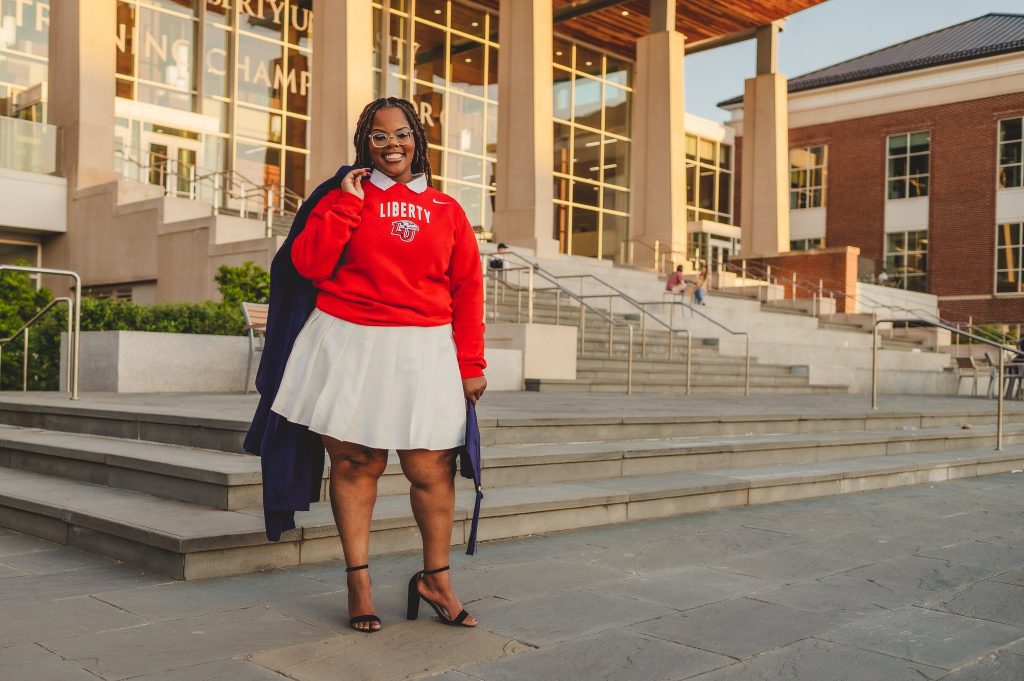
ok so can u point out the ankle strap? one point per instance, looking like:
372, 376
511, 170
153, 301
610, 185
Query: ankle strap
434, 572
357, 567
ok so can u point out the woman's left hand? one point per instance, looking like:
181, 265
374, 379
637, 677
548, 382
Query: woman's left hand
474, 388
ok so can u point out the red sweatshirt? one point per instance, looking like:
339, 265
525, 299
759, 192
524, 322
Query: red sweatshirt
412, 260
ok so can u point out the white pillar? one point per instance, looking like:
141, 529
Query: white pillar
525, 158
81, 88
342, 82
764, 209
658, 159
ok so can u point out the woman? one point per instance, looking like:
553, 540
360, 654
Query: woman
393, 348
700, 284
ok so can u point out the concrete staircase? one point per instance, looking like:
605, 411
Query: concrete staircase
713, 370
171, 492
832, 352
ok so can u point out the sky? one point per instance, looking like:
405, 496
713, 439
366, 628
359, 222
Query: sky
834, 31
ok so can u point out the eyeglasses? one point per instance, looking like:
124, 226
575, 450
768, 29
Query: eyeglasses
381, 139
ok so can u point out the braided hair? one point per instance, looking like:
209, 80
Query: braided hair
420, 158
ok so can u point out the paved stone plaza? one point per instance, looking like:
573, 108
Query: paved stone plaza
916, 583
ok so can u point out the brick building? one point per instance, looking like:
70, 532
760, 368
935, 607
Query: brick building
913, 155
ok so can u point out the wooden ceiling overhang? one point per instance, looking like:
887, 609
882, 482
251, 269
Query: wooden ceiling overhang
615, 26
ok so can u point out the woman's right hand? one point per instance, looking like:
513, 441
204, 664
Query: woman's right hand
353, 182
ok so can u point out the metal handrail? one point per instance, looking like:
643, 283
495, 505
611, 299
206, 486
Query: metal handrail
24, 330
74, 337
584, 305
232, 184
625, 297
723, 327
947, 327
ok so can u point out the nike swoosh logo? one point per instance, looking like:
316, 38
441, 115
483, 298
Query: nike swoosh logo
443, 203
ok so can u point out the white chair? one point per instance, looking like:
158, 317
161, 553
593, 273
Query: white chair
966, 368
256, 325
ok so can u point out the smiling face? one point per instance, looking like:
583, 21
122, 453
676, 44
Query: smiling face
395, 158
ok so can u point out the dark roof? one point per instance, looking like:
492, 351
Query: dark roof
985, 36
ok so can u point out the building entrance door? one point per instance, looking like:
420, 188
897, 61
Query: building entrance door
173, 159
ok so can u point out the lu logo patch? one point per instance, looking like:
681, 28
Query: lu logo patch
404, 229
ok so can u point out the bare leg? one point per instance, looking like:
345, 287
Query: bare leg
355, 470
432, 493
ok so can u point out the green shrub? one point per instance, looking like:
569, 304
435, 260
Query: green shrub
247, 283
19, 301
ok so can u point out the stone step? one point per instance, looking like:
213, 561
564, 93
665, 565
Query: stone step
199, 476
534, 464
186, 541
650, 382
184, 426
233, 481
699, 374
676, 388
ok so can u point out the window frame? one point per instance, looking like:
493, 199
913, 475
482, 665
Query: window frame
907, 176
1018, 250
808, 189
1019, 165
902, 273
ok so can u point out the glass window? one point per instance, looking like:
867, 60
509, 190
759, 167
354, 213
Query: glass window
562, 94
616, 161
806, 244
586, 106
1009, 268
563, 149
807, 177
453, 82
708, 179
906, 259
257, 96
587, 155
907, 167
1011, 153
430, 54
591, 107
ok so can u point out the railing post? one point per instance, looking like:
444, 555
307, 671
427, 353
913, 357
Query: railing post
70, 336
643, 333
743, 271
242, 211
519, 296
970, 330
657, 258
558, 306
24, 365
529, 308
168, 181
689, 350
794, 290
494, 303
216, 194
999, 408
270, 212
611, 327
671, 324
583, 329
746, 382
192, 193
874, 362
629, 362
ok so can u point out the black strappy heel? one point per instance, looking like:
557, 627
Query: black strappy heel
359, 619
413, 609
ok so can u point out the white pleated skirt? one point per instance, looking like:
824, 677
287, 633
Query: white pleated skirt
387, 387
